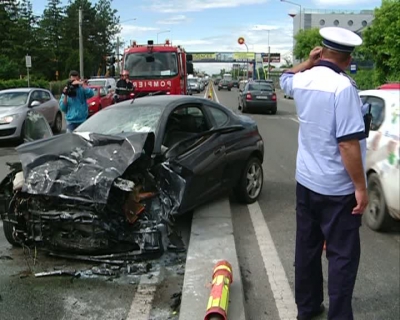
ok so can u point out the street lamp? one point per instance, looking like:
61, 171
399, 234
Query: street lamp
164, 31
293, 15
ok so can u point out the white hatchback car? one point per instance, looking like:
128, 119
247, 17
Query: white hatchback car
383, 158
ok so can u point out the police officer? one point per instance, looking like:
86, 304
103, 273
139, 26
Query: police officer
331, 185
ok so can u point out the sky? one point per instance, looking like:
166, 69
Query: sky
215, 25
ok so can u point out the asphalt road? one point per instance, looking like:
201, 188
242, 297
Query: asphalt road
376, 294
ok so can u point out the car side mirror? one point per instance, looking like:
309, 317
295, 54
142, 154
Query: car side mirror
189, 67
35, 104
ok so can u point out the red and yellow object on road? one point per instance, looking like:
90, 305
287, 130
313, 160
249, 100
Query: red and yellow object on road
210, 90
217, 308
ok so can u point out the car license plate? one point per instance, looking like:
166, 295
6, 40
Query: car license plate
224, 87
262, 97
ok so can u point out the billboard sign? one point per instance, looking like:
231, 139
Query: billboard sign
275, 57
222, 57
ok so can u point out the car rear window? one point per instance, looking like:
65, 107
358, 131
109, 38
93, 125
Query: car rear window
260, 87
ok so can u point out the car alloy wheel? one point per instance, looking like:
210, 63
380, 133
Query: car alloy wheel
58, 123
254, 180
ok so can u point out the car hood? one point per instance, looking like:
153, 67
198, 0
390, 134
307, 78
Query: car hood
6, 111
81, 166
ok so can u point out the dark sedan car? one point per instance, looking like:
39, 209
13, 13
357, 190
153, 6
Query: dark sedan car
258, 96
235, 84
225, 85
122, 174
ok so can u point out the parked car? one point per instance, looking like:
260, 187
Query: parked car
101, 99
125, 171
194, 85
235, 84
109, 83
14, 105
383, 158
216, 81
258, 96
225, 85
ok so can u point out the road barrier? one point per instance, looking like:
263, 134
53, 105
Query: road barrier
210, 90
217, 307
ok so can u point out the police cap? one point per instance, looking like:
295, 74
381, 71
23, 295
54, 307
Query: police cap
340, 39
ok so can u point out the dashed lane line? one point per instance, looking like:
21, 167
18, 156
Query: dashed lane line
278, 281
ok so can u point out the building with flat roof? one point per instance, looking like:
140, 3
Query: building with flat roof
313, 18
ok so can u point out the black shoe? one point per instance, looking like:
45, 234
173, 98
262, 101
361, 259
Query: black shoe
314, 314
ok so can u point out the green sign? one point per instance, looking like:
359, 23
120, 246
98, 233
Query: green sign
222, 57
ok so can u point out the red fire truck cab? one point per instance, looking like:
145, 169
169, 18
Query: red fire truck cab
158, 68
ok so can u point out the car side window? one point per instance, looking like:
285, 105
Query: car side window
219, 116
36, 96
377, 111
363, 99
45, 96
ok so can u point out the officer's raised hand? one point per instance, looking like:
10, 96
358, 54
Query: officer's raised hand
315, 55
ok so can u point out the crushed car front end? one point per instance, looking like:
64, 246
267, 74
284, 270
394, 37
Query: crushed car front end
90, 194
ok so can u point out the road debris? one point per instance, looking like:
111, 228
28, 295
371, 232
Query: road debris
56, 273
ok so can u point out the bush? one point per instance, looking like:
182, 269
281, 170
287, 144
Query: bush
18, 83
366, 79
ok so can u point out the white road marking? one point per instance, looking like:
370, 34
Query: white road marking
295, 120
278, 281
142, 303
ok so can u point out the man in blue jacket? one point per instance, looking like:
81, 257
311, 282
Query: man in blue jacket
73, 101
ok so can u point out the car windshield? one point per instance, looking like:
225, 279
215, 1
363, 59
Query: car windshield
95, 90
192, 80
113, 121
160, 65
13, 99
100, 83
260, 87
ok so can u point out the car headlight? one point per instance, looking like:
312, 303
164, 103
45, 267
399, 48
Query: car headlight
93, 103
8, 119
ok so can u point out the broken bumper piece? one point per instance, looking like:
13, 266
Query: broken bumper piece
94, 197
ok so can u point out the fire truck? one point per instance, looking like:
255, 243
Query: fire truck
158, 68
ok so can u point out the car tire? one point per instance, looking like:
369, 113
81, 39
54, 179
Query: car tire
229, 89
254, 168
8, 229
376, 214
273, 111
57, 126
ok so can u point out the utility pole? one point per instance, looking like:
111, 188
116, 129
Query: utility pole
269, 57
81, 43
118, 57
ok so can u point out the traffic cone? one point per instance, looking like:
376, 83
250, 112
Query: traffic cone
217, 307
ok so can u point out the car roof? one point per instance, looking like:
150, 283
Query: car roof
27, 90
391, 95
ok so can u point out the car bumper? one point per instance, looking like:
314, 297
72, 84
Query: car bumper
224, 88
261, 105
9, 131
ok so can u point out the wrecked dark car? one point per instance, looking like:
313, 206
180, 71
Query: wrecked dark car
115, 184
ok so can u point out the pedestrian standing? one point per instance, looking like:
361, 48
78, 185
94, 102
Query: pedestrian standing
73, 101
331, 192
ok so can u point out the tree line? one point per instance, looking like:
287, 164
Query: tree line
378, 58
51, 39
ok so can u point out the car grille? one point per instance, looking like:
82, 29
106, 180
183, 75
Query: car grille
7, 132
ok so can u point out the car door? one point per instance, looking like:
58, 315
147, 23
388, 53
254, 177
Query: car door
48, 106
201, 164
36, 95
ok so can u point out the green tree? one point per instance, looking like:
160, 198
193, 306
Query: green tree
382, 40
8, 68
306, 40
51, 34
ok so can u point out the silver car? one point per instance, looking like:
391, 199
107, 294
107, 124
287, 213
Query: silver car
16, 103
194, 84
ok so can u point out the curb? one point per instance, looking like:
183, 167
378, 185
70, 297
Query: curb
211, 240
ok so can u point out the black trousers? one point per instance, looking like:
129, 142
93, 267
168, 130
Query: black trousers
320, 217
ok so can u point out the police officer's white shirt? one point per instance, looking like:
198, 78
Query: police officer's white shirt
329, 111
